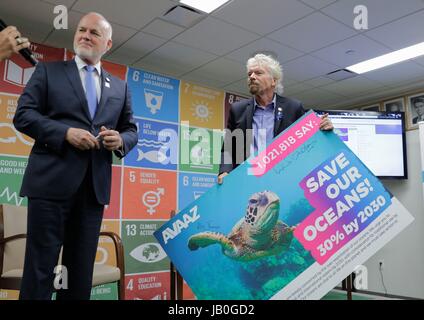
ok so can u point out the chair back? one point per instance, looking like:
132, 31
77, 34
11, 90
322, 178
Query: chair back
13, 221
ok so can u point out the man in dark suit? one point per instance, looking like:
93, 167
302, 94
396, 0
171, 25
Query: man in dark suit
78, 114
253, 123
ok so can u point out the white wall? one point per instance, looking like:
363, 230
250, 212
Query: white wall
403, 268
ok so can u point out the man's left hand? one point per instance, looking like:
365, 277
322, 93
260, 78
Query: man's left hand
111, 139
326, 123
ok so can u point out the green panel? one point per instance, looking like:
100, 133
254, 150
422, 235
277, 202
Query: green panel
116, 160
107, 291
11, 173
142, 252
200, 150
341, 295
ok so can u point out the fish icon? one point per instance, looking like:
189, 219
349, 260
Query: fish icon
152, 156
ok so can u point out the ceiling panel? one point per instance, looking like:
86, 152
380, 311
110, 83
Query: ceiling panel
214, 51
312, 33
307, 67
419, 60
135, 48
239, 86
358, 101
351, 51
163, 29
318, 4
353, 86
224, 70
215, 36
33, 19
64, 38
253, 15
280, 51
316, 97
293, 89
379, 11
67, 3
288, 81
401, 33
121, 34
398, 73
131, 13
319, 81
328, 104
177, 57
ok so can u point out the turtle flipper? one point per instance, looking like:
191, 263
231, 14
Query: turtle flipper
204, 239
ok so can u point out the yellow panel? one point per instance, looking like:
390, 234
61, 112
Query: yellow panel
200, 106
9, 294
11, 140
106, 249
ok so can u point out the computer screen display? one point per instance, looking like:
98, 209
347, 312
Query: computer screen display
377, 138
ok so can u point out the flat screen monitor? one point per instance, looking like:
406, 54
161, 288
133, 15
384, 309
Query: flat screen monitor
377, 138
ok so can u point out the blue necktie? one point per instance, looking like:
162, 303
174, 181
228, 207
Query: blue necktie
90, 90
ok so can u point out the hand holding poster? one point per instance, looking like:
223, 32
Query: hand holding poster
290, 223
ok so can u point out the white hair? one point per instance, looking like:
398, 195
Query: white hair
106, 24
272, 65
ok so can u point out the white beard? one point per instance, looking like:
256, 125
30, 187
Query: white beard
84, 53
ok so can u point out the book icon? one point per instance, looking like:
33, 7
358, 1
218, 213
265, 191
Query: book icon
16, 74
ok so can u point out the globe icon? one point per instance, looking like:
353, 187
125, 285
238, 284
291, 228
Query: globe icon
151, 252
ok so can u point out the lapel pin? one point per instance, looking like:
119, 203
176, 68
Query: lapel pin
279, 113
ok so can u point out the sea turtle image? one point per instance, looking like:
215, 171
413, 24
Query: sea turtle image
258, 234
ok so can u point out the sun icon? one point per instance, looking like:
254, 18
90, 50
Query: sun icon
201, 111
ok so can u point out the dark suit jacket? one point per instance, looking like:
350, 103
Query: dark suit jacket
53, 101
416, 120
241, 117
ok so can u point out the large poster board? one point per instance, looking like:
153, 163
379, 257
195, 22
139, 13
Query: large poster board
290, 223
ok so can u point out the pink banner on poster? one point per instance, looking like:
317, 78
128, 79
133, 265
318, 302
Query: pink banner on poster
285, 144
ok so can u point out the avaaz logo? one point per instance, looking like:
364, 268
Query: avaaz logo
179, 225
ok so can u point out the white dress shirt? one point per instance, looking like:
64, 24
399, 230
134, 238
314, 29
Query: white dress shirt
97, 75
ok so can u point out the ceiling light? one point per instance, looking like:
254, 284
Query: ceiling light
388, 59
204, 5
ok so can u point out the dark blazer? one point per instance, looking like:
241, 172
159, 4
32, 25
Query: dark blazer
53, 101
417, 119
241, 117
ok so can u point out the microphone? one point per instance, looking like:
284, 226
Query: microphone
26, 53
